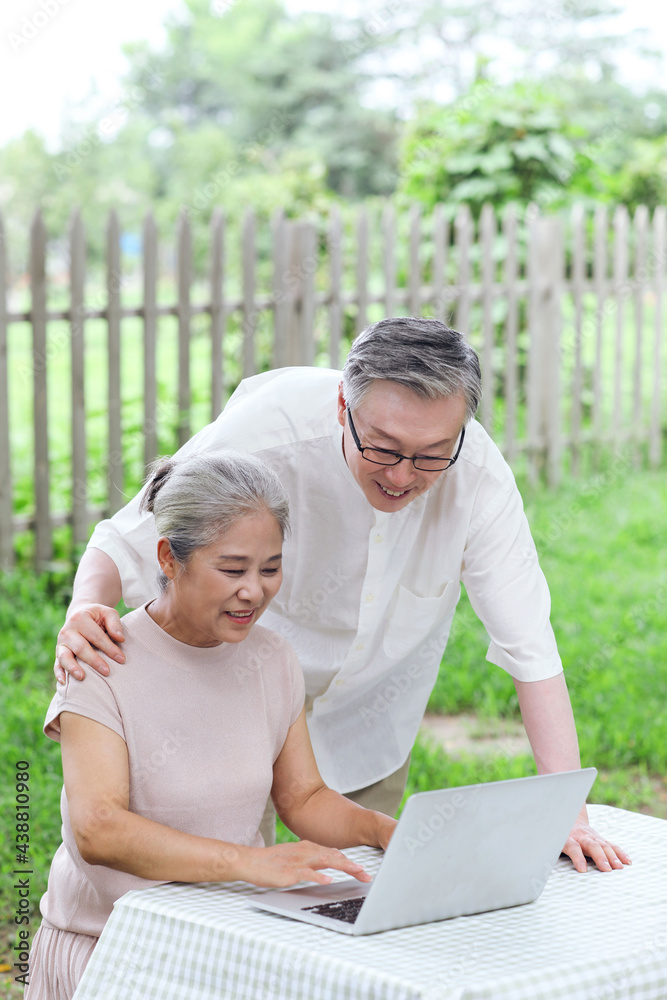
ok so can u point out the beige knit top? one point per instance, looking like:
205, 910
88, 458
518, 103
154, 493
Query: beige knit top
203, 728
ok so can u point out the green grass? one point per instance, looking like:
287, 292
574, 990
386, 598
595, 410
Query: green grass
602, 544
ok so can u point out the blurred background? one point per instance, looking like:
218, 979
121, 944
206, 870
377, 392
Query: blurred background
136, 104
194, 191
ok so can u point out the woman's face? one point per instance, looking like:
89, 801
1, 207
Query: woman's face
225, 587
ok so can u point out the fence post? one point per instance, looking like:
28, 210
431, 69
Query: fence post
335, 246
463, 236
115, 477
487, 238
510, 275
640, 282
414, 275
77, 325
150, 339
659, 255
362, 269
184, 244
600, 227
308, 241
544, 381
440, 246
301, 279
282, 233
217, 230
43, 538
250, 313
621, 289
389, 258
578, 285
6, 544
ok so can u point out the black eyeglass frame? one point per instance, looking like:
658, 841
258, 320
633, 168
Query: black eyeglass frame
400, 458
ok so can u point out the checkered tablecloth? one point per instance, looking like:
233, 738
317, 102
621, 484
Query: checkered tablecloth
594, 936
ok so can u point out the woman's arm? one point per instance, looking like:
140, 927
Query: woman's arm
310, 809
96, 773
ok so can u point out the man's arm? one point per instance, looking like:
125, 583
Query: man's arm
547, 715
92, 622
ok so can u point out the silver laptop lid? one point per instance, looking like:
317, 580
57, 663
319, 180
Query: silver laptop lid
474, 848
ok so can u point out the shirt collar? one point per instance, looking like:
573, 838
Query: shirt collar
341, 465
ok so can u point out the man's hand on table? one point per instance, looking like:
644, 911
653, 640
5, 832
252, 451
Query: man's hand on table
90, 628
584, 842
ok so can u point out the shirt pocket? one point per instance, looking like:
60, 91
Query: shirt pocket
413, 619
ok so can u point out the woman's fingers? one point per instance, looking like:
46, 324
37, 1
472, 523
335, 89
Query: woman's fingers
287, 864
318, 857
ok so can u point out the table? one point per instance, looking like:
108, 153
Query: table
594, 936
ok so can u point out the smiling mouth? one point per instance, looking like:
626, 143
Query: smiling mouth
241, 616
393, 493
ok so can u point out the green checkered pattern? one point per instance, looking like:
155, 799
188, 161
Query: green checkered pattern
599, 936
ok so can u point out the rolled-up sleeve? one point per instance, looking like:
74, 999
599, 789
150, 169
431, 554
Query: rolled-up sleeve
507, 588
130, 539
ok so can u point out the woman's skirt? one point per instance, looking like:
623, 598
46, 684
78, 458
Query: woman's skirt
57, 962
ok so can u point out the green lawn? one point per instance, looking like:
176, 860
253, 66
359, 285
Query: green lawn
602, 544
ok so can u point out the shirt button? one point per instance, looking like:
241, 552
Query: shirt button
378, 538
339, 682
369, 598
360, 646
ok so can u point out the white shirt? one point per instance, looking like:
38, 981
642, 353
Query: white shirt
368, 598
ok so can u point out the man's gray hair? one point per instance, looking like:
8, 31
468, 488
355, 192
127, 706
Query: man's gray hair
424, 355
194, 500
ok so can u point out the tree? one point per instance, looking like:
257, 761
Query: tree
440, 47
270, 81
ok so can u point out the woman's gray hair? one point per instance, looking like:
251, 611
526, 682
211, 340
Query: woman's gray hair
424, 355
194, 500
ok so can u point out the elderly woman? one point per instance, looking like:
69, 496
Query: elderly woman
169, 760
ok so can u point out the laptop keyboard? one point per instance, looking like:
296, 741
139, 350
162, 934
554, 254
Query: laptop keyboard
346, 909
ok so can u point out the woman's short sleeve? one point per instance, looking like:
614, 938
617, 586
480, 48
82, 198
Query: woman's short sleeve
92, 697
298, 685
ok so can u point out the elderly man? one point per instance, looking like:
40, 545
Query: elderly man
396, 496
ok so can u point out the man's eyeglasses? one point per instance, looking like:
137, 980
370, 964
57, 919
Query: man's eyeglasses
381, 456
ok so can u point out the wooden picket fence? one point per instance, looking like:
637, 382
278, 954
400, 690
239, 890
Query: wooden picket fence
566, 313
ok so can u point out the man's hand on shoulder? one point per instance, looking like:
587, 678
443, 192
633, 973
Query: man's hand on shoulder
89, 629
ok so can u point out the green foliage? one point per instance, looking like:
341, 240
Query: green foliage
642, 180
497, 145
31, 613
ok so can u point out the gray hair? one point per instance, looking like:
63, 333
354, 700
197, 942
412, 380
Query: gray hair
194, 500
424, 355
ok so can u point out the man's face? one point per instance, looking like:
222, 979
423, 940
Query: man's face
394, 418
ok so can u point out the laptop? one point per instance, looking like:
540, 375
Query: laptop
454, 851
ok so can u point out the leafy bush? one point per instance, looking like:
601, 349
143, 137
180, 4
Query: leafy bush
496, 144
